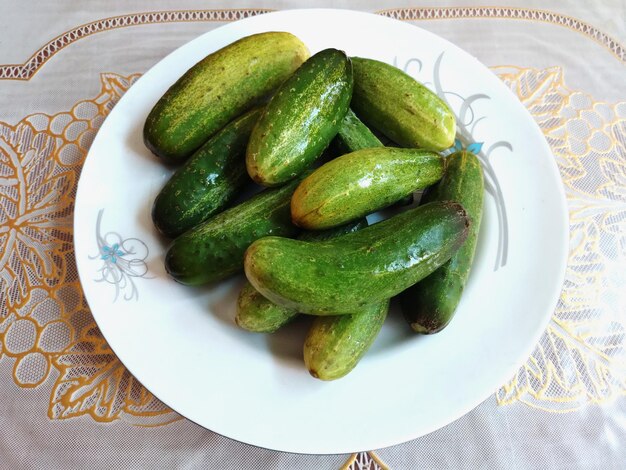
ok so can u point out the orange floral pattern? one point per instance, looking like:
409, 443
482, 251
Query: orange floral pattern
93, 381
364, 461
581, 357
45, 322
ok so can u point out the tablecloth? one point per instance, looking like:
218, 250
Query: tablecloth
67, 401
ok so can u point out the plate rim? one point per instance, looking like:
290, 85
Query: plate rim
469, 405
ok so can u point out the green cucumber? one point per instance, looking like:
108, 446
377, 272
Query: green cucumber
430, 305
353, 135
362, 182
394, 103
301, 119
214, 249
258, 314
219, 88
207, 182
343, 275
335, 344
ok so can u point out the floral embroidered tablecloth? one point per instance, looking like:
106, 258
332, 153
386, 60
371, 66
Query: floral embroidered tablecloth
68, 402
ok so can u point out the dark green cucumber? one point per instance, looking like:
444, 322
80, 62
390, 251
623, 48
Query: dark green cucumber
343, 275
430, 305
219, 88
207, 182
353, 135
362, 182
258, 314
389, 100
301, 119
335, 344
214, 249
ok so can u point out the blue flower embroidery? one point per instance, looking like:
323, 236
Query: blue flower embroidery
474, 147
123, 260
111, 253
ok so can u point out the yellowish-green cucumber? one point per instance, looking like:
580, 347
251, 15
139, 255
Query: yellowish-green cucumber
362, 182
335, 344
343, 275
430, 304
219, 88
301, 119
353, 135
394, 103
258, 314
207, 182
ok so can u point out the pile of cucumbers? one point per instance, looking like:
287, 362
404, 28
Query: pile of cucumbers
261, 110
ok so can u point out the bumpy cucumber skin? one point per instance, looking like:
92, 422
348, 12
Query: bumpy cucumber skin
214, 249
430, 305
207, 182
301, 119
335, 344
362, 182
389, 100
219, 88
258, 314
343, 275
353, 135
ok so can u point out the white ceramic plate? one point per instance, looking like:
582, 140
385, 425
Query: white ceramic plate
182, 343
